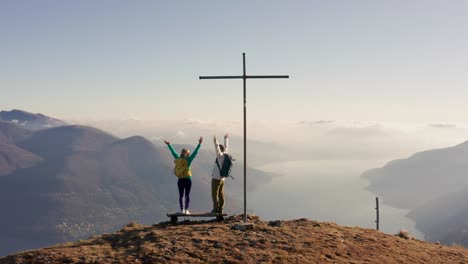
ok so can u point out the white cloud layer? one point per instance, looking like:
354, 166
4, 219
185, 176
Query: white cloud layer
300, 140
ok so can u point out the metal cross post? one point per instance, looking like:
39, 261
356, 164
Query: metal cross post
244, 76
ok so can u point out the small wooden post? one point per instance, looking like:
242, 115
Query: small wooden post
377, 212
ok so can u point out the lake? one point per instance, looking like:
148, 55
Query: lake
325, 190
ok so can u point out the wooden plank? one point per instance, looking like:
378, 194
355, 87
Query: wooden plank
174, 216
195, 215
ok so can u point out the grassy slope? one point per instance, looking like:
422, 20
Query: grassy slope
297, 241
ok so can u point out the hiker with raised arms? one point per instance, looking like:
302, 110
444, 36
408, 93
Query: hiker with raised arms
183, 171
221, 171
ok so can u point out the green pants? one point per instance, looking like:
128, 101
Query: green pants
217, 193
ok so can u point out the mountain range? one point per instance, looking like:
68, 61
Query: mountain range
70, 182
29, 120
433, 185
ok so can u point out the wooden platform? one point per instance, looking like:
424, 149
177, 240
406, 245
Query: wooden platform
174, 216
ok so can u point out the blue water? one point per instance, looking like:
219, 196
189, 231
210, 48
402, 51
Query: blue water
325, 190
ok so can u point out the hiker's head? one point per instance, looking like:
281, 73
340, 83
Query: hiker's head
185, 153
221, 147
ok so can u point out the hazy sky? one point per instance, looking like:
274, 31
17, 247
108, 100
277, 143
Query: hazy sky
396, 61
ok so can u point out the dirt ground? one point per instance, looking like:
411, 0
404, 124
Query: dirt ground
296, 241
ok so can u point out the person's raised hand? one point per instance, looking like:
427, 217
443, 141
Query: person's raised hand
200, 140
226, 136
167, 142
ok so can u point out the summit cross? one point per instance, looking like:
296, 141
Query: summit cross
244, 76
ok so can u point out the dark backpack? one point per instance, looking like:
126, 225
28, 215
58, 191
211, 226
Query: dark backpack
225, 169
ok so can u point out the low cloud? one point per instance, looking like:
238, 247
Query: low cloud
318, 122
191, 121
180, 133
313, 139
442, 125
359, 132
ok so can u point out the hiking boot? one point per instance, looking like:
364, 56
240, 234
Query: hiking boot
182, 211
187, 212
214, 211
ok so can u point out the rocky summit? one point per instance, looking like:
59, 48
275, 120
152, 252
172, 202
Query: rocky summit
231, 241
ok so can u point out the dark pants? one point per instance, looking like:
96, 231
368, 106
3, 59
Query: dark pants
184, 185
217, 194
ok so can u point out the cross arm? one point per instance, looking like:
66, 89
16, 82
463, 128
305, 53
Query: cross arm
266, 76
221, 77
246, 77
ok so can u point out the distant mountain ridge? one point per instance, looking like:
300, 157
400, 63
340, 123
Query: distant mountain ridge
13, 158
12, 133
29, 120
433, 184
444, 219
70, 182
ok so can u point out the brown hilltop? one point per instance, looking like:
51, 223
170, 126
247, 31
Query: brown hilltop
296, 241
